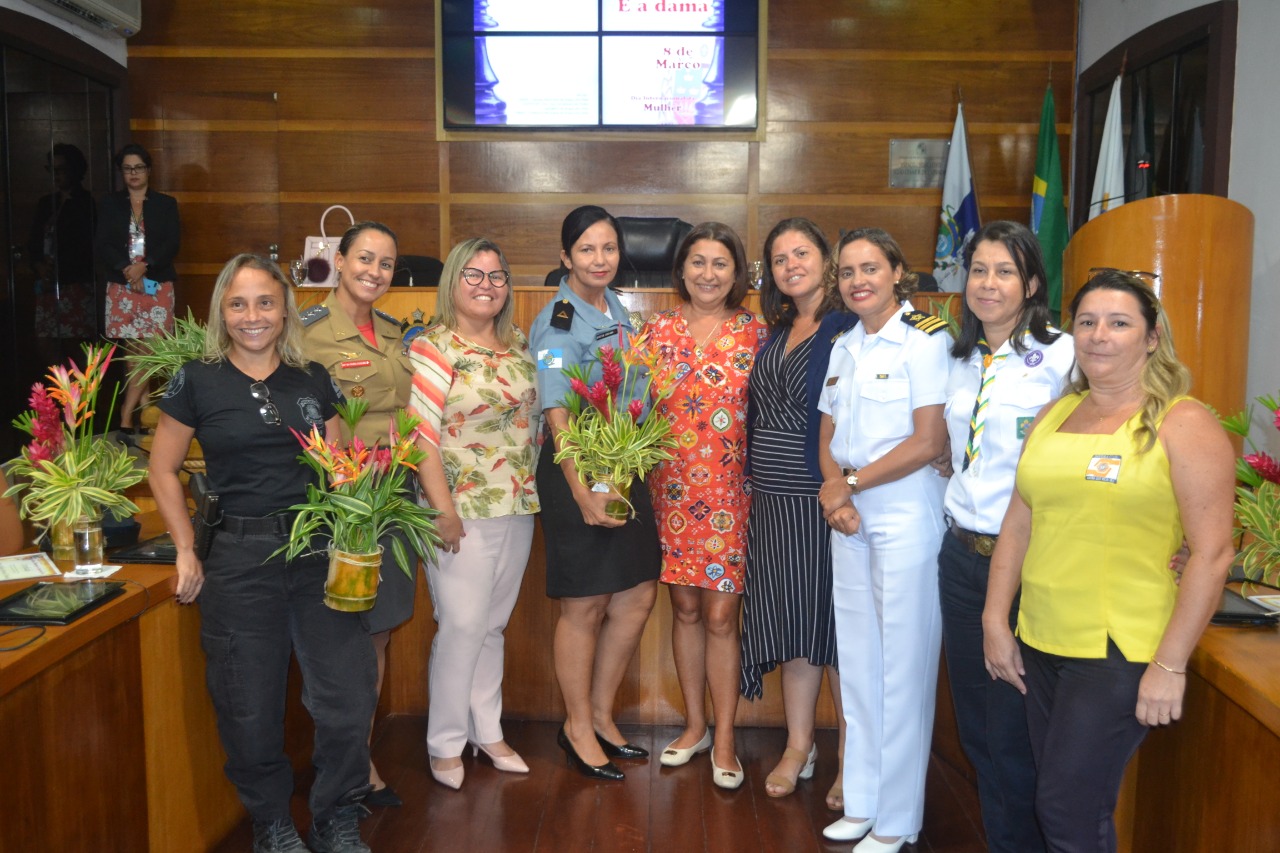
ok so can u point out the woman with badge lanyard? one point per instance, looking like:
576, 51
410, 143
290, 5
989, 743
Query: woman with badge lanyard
882, 426
1009, 362
604, 571
137, 241
244, 401
363, 350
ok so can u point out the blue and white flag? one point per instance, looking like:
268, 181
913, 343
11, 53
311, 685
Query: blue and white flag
959, 212
1108, 180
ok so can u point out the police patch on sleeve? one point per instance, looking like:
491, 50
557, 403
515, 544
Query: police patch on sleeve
176, 382
550, 359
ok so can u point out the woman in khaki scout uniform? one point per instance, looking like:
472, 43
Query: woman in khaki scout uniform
364, 352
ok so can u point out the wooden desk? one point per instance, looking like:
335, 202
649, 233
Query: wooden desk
107, 731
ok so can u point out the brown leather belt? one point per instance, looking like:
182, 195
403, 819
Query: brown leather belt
977, 543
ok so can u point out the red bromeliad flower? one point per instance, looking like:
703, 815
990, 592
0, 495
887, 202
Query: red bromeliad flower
635, 409
1266, 465
1277, 413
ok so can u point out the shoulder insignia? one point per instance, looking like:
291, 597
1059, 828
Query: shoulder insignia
926, 323
314, 314
636, 319
384, 315
409, 334
562, 315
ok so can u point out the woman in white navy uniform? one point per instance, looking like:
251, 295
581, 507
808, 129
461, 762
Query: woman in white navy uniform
1009, 362
881, 426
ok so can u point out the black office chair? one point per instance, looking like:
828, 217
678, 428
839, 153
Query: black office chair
649, 245
417, 271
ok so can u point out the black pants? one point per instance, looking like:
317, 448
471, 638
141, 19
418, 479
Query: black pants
254, 612
990, 714
1080, 715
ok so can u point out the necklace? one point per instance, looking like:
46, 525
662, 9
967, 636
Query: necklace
714, 329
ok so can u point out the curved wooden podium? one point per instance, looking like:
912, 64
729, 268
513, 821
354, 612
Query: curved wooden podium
1201, 246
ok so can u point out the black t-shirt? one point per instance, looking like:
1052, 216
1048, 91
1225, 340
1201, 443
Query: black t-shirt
253, 466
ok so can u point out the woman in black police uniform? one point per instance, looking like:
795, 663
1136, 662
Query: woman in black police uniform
604, 571
243, 401
363, 350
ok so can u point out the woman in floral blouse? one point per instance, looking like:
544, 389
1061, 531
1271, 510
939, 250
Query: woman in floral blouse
701, 497
475, 391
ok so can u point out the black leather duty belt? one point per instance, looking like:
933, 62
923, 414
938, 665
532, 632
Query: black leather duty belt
977, 543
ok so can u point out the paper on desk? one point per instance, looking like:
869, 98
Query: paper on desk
19, 566
94, 572
1271, 602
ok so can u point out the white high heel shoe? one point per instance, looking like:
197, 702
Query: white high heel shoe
673, 757
512, 763
848, 830
451, 778
873, 845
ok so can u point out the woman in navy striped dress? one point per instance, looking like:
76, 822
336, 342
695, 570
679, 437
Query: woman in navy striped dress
787, 614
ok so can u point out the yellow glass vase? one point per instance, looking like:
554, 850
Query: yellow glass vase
352, 585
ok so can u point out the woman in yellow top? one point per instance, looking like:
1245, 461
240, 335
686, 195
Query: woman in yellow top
1112, 477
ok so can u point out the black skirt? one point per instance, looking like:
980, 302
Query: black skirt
583, 559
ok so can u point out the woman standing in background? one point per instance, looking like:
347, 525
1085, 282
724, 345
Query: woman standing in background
137, 241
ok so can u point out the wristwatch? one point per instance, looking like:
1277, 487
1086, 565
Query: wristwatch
851, 478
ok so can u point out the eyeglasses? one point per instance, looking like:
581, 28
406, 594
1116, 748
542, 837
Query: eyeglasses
270, 414
1148, 277
473, 277
135, 170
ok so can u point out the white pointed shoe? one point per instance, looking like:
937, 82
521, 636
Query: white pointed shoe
673, 757
512, 763
872, 845
848, 830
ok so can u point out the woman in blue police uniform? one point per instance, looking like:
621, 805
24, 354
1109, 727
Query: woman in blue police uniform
364, 352
882, 425
603, 571
1008, 364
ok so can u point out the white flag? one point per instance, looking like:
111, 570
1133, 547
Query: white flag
1108, 181
960, 219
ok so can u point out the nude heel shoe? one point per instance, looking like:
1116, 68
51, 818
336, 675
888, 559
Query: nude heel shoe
806, 771
451, 778
872, 845
512, 763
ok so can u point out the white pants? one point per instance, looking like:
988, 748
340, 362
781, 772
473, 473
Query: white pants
473, 593
888, 638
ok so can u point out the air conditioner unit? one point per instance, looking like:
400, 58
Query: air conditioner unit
118, 17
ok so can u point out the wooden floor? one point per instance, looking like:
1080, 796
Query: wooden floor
666, 810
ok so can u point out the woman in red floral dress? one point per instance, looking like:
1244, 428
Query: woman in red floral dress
701, 497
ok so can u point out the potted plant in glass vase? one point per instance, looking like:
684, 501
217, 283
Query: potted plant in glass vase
607, 439
1258, 498
361, 495
67, 476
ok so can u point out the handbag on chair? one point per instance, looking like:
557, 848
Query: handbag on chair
319, 252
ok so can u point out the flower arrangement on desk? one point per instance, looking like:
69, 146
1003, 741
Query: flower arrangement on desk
606, 438
361, 496
67, 472
1258, 498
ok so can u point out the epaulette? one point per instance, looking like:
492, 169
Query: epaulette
926, 323
384, 315
314, 314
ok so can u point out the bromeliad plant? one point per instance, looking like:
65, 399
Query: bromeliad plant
67, 471
362, 493
606, 438
160, 356
1258, 498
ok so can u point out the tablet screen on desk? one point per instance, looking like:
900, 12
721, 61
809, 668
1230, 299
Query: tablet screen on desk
56, 602
1234, 609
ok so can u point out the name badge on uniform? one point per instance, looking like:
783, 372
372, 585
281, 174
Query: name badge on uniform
350, 364
1103, 468
550, 359
882, 376
1024, 426
604, 334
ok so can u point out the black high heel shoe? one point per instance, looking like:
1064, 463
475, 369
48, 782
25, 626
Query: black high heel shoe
608, 770
626, 750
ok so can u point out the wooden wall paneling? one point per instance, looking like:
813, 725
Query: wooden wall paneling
621, 167
253, 23
946, 26
822, 86
415, 220
334, 157
197, 161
